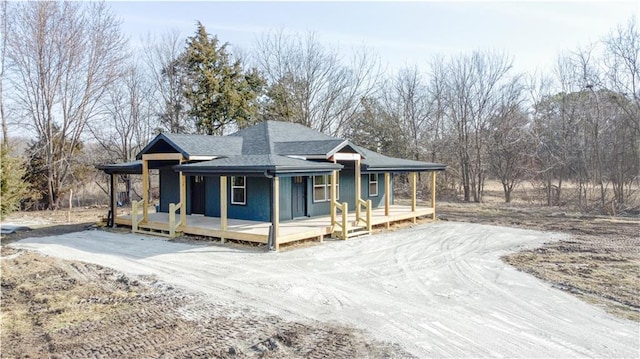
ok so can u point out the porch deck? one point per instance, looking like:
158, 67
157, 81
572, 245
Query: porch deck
255, 231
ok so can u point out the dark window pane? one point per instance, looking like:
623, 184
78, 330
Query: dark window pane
237, 181
238, 196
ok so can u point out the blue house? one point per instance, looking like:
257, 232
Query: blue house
274, 182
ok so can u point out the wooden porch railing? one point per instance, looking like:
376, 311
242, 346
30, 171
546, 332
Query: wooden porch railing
134, 215
367, 213
344, 225
173, 225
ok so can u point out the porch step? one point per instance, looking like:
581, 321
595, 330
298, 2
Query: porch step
352, 232
154, 231
358, 233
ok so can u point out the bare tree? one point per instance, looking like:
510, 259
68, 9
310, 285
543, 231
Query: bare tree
406, 101
3, 54
64, 58
129, 120
473, 86
509, 145
162, 56
309, 83
622, 63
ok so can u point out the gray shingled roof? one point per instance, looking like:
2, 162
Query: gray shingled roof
134, 167
308, 148
285, 138
194, 145
257, 164
265, 146
375, 162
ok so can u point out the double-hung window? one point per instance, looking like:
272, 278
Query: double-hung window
373, 184
239, 190
322, 188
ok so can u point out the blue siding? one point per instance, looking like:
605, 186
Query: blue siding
188, 191
376, 201
258, 207
347, 193
212, 195
285, 199
259, 191
315, 208
169, 188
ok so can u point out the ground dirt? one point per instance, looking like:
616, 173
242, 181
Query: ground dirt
599, 261
435, 290
60, 308
68, 308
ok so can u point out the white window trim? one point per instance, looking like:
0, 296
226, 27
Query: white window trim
327, 188
372, 182
323, 185
244, 191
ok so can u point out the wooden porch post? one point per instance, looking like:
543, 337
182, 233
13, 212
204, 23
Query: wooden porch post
114, 199
145, 189
413, 195
358, 188
223, 205
387, 192
334, 177
183, 199
275, 221
433, 194
387, 195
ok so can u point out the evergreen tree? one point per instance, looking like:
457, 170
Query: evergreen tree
219, 92
12, 187
46, 189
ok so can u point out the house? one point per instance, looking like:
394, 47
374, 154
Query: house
274, 182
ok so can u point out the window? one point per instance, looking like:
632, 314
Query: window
238, 190
373, 184
319, 188
322, 188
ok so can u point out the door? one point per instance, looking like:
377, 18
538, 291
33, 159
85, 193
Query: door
298, 198
197, 195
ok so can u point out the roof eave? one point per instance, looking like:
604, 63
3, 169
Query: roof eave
254, 170
374, 168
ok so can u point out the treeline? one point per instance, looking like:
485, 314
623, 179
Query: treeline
72, 79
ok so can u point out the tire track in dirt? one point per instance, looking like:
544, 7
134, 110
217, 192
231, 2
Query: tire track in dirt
437, 289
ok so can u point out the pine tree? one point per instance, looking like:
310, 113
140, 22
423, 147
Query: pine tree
220, 92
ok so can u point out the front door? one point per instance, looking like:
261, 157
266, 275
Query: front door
298, 198
197, 195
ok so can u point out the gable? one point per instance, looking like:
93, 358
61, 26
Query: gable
193, 146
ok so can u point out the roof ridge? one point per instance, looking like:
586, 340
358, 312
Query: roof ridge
267, 137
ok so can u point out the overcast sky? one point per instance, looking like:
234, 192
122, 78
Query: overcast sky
405, 33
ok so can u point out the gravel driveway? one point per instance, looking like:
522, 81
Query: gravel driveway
438, 290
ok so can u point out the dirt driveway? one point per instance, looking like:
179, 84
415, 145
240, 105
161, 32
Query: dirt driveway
438, 289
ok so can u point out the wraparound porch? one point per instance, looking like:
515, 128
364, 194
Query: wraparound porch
258, 232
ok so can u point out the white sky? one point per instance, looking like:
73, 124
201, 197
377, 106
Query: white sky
401, 33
